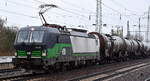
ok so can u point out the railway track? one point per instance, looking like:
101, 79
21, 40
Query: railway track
19, 75
8, 73
6, 65
8, 70
108, 74
92, 73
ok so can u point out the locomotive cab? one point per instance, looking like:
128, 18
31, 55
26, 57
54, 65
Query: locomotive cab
31, 44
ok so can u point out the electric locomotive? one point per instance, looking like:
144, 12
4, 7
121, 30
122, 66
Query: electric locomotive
54, 46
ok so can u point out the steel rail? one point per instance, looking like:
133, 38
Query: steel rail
105, 72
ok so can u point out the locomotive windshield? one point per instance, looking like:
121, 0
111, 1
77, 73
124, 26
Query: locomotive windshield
36, 36
30, 36
23, 36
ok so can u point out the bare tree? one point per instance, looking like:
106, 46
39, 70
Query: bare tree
7, 36
2, 22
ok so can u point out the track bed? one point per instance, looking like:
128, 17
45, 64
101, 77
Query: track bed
89, 73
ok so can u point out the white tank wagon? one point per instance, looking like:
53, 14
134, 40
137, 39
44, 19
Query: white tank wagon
119, 44
119, 47
128, 45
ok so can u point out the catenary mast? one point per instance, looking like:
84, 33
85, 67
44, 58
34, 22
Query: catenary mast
148, 24
99, 16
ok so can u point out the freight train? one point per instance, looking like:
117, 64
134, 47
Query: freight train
54, 46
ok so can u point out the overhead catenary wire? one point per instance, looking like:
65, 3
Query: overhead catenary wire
66, 16
111, 8
77, 7
116, 11
133, 13
87, 12
40, 1
21, 4
127, 15
66, 10
60, 22
73, 12
121, 6
146, 1
65, 24
36, 8
120, 13
69, 11
16, 13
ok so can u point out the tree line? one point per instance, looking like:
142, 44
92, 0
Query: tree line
7, 38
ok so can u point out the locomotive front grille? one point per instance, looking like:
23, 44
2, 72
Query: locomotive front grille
21, 53
33, 53
36, 53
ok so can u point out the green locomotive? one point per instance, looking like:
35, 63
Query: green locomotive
54, 47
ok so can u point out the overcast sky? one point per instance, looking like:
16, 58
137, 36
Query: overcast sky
76, 12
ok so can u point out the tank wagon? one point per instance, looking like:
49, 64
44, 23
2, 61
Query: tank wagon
55, 47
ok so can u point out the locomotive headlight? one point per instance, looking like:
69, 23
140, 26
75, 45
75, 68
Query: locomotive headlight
32, 29
28, 53
44, 53
15, 53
